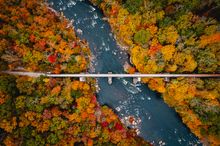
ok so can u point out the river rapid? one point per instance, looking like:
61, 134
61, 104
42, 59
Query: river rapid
154, 120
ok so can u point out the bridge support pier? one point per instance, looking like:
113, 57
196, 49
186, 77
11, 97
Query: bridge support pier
109, 79
136, 80
82, 79
167, 79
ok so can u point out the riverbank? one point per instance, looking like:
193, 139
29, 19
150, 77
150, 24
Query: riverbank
174, 48
50, 111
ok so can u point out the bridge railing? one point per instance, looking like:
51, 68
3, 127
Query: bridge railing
136, 77
97, 75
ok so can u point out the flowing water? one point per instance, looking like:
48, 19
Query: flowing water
154, 120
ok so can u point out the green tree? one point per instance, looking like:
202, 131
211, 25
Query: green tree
142, 37
133, 6
207, 62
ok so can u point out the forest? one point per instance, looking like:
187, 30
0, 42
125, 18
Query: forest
174, 36
50, 111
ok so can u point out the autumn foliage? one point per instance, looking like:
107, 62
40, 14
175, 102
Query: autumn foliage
35, 44
50, 111
169, 37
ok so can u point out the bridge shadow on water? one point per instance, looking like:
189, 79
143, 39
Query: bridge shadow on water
155, 121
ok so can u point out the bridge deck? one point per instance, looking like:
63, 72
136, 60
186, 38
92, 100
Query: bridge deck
37, 74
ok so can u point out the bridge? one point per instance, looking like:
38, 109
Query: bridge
136, 77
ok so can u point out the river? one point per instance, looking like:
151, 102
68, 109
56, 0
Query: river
155, 121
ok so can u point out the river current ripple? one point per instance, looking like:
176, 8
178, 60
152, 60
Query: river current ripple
154, 120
